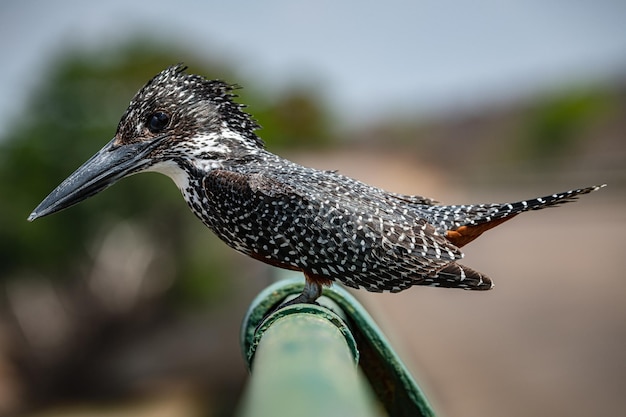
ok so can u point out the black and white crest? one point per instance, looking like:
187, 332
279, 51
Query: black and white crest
195, 105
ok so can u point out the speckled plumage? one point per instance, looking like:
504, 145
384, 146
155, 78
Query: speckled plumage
331, 227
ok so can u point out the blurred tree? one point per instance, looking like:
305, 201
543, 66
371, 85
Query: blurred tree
295, 119
72, 115
560, 122
74, 112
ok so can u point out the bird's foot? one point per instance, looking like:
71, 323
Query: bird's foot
310, 293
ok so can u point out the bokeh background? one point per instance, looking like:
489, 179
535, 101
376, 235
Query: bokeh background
127, 305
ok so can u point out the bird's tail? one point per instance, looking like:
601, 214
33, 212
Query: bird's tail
455, 275
499, 211
463, 223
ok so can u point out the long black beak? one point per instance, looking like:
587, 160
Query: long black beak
110, 164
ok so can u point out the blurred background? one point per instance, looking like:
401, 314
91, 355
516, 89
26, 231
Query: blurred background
127, 305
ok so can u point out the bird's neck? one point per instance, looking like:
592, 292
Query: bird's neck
190, 160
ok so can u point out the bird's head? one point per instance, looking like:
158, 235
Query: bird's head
175, 119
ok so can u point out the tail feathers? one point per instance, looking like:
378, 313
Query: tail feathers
455, 275
504, 210
450, 218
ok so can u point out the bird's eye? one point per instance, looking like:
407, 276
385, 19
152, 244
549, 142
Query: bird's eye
157, 121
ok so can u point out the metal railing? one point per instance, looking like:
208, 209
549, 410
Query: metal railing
327, 360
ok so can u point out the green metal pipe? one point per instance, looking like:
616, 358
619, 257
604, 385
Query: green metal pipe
304, 364
394, 388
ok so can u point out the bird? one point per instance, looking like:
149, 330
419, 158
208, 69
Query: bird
330, 227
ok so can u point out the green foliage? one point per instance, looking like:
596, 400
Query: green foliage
557, 124
294, 120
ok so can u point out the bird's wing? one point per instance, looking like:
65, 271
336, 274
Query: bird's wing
342, 229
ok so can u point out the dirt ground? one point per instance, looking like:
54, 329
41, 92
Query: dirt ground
549, 339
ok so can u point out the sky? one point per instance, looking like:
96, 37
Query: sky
368, 59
